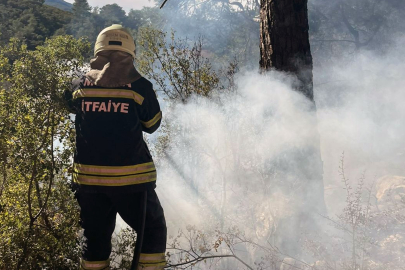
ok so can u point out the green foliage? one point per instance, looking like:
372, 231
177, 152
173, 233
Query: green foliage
30, 21
113, 14
147, 16
87, 23
82, 23
179, 71
80, 8
39, 216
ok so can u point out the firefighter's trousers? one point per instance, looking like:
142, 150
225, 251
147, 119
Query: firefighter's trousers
98, 215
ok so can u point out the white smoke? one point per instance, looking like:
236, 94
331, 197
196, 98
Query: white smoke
360, 112
221, 165
220, 168
219, 150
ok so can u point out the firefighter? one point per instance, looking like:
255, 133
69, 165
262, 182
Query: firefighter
114, 104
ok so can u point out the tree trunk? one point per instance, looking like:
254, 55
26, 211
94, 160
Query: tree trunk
284, 46
284, 41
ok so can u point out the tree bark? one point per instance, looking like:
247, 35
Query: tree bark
284, 41
284, 46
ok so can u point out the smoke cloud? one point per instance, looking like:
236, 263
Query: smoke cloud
360, 112
224, 146
221, 167
222, 152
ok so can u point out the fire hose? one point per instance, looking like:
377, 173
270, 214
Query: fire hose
140, 232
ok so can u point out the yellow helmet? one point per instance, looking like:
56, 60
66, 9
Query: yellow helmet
115, 38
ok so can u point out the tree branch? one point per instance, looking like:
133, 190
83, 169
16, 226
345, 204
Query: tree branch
351, 29
52, 169
32, 220
4, 169
34, 172
163, 4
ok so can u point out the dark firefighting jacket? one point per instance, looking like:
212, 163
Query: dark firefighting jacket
111, 154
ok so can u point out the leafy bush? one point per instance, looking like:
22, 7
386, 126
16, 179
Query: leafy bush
38, 216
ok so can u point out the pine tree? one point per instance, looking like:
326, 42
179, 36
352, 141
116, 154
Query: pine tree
284, 43
80, 8
81, 24
284, 46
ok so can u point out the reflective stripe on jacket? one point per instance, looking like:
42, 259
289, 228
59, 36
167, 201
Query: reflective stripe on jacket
110, 150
